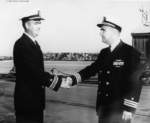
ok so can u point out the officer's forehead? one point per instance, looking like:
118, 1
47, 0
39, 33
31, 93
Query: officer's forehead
108, 28
105, 27
34, 22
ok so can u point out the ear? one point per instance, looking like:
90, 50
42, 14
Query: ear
27, 25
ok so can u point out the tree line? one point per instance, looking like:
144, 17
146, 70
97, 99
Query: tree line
63, 56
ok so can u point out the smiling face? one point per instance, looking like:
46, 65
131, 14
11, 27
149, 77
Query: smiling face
33, 27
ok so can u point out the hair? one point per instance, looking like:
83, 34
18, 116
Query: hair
24, 24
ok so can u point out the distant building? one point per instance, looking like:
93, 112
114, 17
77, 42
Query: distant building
141, 41
141, 35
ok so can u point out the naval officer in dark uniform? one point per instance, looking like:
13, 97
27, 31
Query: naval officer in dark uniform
31, 79
118, 76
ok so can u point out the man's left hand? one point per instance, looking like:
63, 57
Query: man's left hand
66, 82
127, 115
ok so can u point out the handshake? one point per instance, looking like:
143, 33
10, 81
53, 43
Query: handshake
65, 80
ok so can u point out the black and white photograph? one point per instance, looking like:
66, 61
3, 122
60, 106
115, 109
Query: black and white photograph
75, 61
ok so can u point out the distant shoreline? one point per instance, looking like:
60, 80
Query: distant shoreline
63, 56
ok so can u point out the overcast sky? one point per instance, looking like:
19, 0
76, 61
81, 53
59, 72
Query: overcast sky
70, 25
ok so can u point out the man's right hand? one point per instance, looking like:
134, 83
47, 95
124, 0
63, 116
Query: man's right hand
66, 82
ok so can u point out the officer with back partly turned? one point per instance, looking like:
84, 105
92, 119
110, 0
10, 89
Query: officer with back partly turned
118, 76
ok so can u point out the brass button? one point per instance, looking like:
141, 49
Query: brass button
100, 71
108, 72
106, 95
107, 83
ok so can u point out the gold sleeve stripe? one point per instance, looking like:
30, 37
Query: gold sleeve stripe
54, 82
78, 77
130, 103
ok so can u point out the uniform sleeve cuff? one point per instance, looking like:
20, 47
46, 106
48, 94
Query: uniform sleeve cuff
130, 105
78, 77
56, 83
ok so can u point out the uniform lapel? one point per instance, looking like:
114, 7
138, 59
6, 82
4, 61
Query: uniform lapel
30, 42
117, 49
35, 47
108, 57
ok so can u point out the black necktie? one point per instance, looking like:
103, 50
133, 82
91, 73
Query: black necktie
36, 43
109, 49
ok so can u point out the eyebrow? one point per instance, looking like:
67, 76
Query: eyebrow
102, 29
38, 22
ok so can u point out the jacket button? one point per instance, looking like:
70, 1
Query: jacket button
108, 72
106, 95
107, 83
100, 72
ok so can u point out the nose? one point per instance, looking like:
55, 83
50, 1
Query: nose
101, 32
39, 27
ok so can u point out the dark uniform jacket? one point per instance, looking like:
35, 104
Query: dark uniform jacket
118, 85
31, 79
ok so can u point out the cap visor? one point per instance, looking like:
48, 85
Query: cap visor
100, 25
37, 19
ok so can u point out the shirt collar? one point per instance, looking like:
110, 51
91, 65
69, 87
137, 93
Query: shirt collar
32, 38
114, 45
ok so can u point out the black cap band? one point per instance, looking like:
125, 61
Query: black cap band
110, 24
